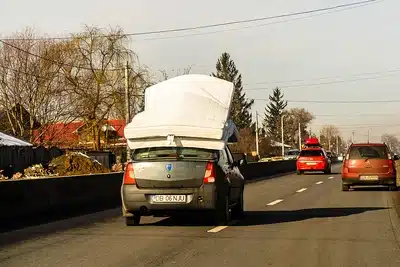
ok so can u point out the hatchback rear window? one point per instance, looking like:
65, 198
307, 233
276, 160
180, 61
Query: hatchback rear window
311, 153
368, 152
179, 153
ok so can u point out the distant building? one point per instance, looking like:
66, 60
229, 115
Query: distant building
78, 134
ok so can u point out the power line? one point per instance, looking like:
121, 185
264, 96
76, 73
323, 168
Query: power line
335, 102
252, 26
395, 71
355, 126
321, 83
357, 115
54, 61
217, 25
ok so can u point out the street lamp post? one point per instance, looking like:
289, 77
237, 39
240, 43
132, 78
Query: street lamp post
282, 139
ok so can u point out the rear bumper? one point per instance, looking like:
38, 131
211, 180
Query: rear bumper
139, 200
316, 167
381, 181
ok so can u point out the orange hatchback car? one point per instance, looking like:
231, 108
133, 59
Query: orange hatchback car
369, 164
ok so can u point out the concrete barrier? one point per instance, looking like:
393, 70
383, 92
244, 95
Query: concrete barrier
263, 169
33, 197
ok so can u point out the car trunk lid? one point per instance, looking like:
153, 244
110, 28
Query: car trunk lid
171, 167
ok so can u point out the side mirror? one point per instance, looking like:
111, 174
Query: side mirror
242, 162
396, 157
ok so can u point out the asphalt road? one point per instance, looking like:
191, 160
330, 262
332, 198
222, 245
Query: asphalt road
290, 221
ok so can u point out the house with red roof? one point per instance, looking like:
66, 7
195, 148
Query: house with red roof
78, 134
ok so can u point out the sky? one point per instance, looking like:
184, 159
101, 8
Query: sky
348, 55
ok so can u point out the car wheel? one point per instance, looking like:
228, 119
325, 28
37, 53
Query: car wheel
345, 187
223, 213
237, 211
133, 220
299, 172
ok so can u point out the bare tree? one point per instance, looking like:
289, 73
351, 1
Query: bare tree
330, 135
392, 141
95, 75
292, 119
139, 80
31, 92
177, 72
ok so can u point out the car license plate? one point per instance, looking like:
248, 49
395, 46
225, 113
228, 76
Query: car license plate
169, 198
369, 177
311, 163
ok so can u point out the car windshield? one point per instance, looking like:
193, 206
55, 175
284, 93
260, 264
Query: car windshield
180, 153
311, 153
370, 152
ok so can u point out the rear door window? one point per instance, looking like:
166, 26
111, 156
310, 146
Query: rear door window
311, 153
368, 152
177, 153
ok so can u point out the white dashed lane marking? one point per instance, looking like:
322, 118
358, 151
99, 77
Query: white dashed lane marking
217, 229
331, 177
301, 190
274, 202
320, 182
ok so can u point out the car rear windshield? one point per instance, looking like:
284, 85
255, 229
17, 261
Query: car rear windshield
177, 153
368, 152
311, 153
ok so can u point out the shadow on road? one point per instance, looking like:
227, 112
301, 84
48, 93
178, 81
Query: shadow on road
370, 188
48, 223
274, 217
268, 217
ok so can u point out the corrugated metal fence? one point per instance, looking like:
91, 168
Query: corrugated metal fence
16, 158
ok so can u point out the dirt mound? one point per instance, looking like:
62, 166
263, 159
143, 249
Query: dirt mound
76, 163
36, 171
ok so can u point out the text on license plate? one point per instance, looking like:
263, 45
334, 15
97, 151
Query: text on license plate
311, 163
169, 198
369, 177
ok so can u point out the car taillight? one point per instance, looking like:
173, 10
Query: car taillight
209, 175
129, 175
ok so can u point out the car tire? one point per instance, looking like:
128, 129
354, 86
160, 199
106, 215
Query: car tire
238, 210
345, 187
223, 212
133, 220
299, 172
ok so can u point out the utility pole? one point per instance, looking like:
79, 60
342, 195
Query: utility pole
127, 109
352, 137
329, 141
337, 144
282, 139
257, 148
299, 136
368, 136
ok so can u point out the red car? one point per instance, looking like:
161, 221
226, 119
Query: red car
313, 158
369, 164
